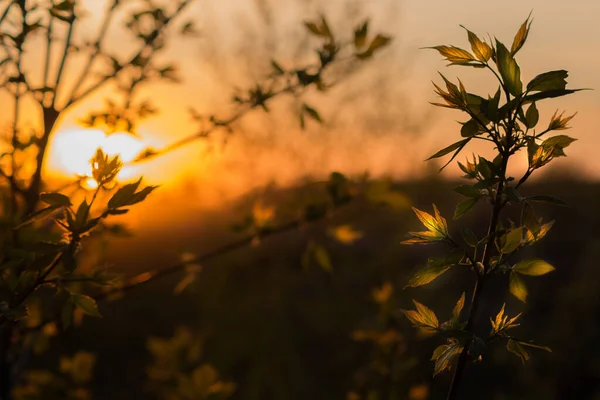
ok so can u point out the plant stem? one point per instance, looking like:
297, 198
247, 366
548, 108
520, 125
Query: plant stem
479, 283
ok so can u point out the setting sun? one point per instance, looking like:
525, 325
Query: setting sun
72, 150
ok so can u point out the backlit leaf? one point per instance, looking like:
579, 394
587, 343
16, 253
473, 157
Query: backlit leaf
533, 267
346, 234
481, 49
454, 54
360, 35
433, 223
544, 229
458, 307
552, 80
521, 36
428, 274
514, 347
446, 357
86, 304
55, 199
513, 240
547, 94
535, 346
509, 70
312, 113
560, 141
529, 219
422, 317
469, 237
468, 191
470, 128
322, 258
532, 116
454, 146
378, 42
517, 287
464, 206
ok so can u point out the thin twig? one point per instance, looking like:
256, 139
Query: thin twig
97, 49
92, 89
64, 58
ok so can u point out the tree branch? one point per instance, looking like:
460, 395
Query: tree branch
76, 99
97, 49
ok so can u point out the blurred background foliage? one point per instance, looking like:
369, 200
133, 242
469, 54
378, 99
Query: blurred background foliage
279, 329
313, 313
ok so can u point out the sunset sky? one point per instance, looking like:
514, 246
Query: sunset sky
388, 128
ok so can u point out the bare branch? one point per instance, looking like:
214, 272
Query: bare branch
97, 48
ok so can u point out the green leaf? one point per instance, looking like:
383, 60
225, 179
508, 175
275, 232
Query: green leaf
534, 345
360, 35
438, 351
509, 70
454, 146
127, 195
552, 80
458, 307
521, 36
560, 141
322, 258
533, 267
277, 68
86, 304
422, 317
514, 347
468, 191
55, 199
122, 195
454, 54
469, 237
532, 116
517, 287
547, 94
491, 107
463, 207
502, 322
82, 214
513, 195
428, 315
544, 229
314, 29
548, 199
513, 240
529, 219
470, 128
481, 49
446, 357
436, 225
311, 112
378, 42
435, 268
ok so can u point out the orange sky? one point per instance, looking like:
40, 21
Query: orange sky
389, 128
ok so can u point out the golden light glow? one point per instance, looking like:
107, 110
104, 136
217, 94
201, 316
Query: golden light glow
72, 150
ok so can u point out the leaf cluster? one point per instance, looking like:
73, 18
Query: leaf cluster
509, 121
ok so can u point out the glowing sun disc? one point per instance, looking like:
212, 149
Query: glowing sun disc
71, 151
